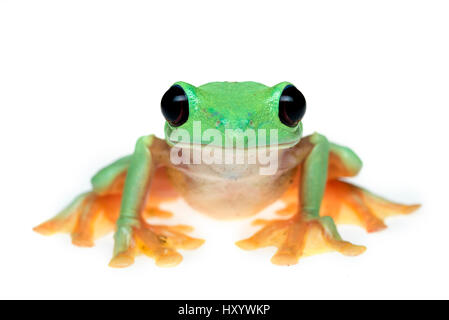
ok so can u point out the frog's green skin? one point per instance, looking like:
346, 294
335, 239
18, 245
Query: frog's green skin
230, 191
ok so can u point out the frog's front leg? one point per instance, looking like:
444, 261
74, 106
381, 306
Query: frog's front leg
95, 213
133, 234
306, 232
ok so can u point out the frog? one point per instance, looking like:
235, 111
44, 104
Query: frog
310, 178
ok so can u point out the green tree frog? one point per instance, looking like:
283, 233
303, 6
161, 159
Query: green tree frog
200, 161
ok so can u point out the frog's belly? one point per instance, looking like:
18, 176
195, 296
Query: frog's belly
227, 194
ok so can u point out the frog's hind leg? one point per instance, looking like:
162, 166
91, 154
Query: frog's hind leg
350, 204
64, 221
87, 218
91, 214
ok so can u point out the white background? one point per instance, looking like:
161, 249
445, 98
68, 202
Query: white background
80, 81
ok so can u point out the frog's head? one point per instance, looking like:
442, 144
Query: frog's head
236, 110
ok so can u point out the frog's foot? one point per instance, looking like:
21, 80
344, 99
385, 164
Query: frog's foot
349, 204
299, 236
88, 217
158, 242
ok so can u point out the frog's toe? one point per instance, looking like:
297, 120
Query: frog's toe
155, 212
298, 238
288, 210
349, 204
169, 258
55, 225
122, 260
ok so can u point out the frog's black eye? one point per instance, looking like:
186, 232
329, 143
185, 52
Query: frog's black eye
175, 106
292, 106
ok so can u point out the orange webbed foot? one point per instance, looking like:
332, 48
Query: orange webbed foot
349, 204
87, 218
158, 242
155, 212
297, 237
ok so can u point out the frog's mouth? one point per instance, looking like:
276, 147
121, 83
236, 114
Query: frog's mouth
234, 139
193, 145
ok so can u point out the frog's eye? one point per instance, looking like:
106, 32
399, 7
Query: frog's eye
292, 106
175, 106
